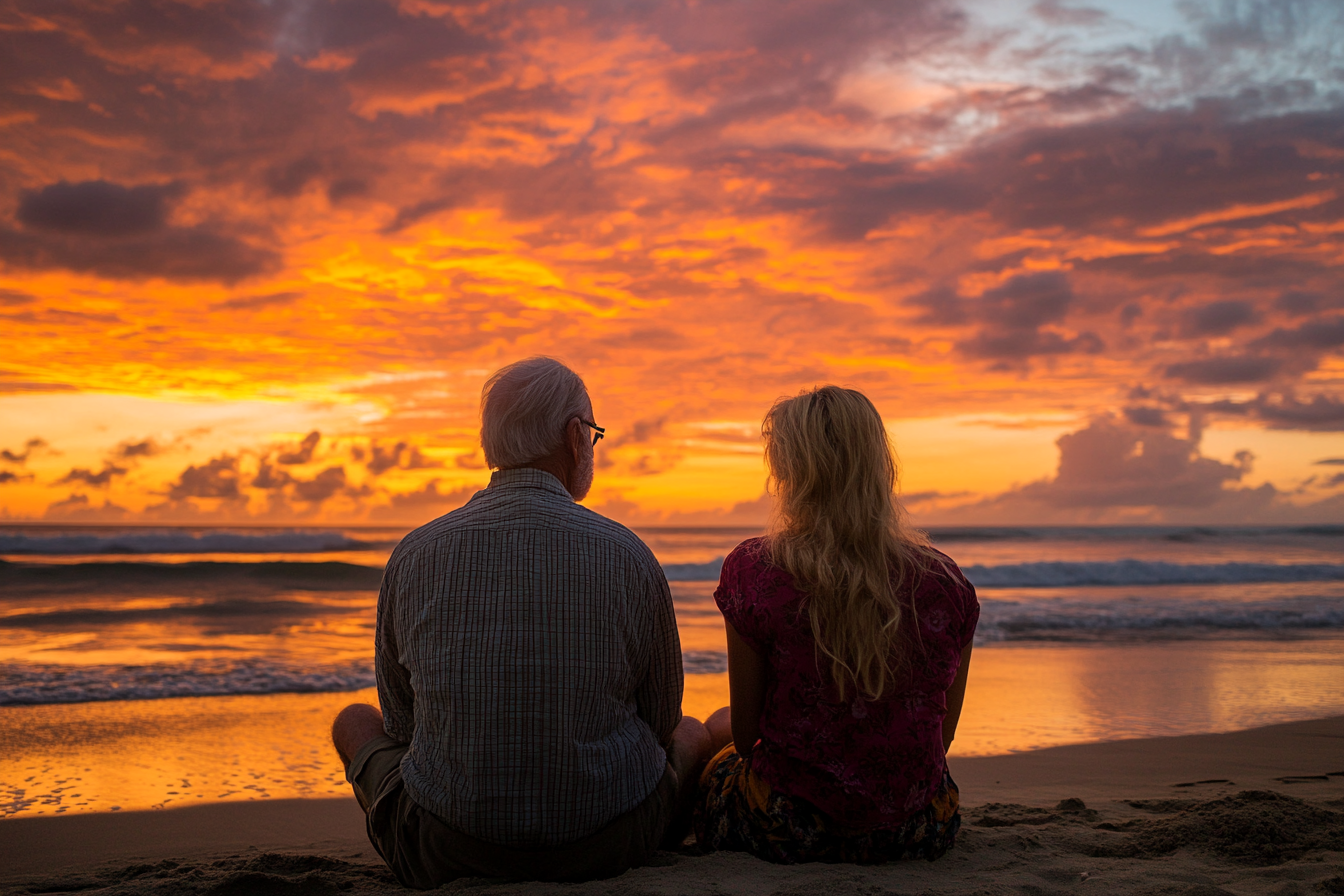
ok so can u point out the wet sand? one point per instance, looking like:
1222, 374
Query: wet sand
1259, 811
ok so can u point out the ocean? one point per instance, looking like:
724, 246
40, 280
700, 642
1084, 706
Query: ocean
139, 642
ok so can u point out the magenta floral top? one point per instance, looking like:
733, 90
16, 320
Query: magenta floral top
866, 764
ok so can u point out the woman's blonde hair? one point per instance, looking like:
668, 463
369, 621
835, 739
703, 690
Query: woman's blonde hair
840, 531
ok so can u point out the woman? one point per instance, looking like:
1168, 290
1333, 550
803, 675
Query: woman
849, 639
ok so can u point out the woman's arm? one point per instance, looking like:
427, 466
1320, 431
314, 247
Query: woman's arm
955, 695
746, 688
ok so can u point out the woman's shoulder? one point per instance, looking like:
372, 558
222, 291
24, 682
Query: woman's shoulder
940, 573
752, 552
747, 562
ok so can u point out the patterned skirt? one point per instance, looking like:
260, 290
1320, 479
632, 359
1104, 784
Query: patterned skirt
739, 811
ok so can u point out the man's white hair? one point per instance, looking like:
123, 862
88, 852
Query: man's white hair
525, 408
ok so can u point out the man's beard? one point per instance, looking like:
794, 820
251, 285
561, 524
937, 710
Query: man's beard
583, 477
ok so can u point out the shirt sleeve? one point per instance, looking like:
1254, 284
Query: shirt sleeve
969, 605
733, 603
396, 697
658, 697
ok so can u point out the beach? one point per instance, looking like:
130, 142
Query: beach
167, 696
1256, 811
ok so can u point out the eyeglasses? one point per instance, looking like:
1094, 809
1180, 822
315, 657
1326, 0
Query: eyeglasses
598, 431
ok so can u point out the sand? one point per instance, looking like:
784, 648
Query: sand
1248, 812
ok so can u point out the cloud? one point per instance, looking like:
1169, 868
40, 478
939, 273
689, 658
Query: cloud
304, 453
1114, 472
1110, 465
133, 449
216, 479
1225, 370
1322, 413
322, 486
1012, 316
78, 508
1314, 336
7, 477
1218, 318
178, 253
101, 479
1146, 416
257, 302
405, 456
1056, 13
119, 231
422, 504
1331, 461
97, 208
21, 457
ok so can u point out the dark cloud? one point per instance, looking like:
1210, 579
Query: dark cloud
11, 299
1108, 465
320, 487
174, 253
1218, 318
304, 453
101, 479
131, 449
402, 456
268, 477
1331, 461
1147, 416
289, 179
638, 433
1323, 413
7, 477
1226, 371
423, 502
21, 457
1012, 316
1298, 303
78, 508
216, 479
471, 460
939, 305
1056, 13
253, 303
97, 208
1314, 336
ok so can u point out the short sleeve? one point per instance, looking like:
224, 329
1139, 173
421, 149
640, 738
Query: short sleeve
968, 605
734, 597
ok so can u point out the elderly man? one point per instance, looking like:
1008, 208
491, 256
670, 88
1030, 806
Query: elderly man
529, 670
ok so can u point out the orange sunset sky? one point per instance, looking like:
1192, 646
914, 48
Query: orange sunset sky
256, 258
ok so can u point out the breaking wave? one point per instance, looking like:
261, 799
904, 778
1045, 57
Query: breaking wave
30, 685
281, 542
1155, 619
1146, 572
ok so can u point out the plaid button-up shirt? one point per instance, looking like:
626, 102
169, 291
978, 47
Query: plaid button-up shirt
527, 651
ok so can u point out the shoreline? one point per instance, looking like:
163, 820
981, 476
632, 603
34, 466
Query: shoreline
1013, 809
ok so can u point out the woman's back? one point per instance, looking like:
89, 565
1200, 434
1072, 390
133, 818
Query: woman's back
866, 763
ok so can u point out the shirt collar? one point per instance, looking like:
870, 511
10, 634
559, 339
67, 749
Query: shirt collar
528, 477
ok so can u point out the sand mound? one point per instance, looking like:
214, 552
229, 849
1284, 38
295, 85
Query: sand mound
1004, 815
1258, 827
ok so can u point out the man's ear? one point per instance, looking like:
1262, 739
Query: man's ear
576, 441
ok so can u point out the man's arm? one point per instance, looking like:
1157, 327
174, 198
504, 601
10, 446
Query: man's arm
658, 697
396, 697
